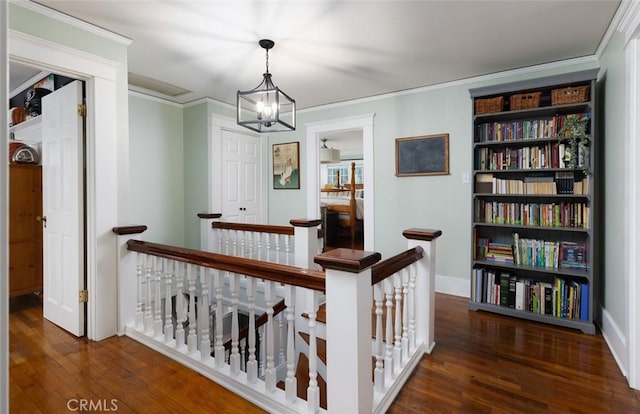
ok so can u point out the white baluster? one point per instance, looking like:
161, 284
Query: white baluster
242, 236
270, 371
234, 359
222, 241
412, 307
192, 338
313, 391
388, 330
252, 364
287, 249
378, 296
219, 352
139, 292
405, 314
181, 316
157, 320
291, 384
397, 350
168, 314
259, 246
263, 350
243, 355
277, 238
282, 341
205, 339
251, 238
234, 243
267, 256
148, 314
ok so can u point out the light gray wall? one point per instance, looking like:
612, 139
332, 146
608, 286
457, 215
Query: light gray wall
613, 293
156, 190
196, 175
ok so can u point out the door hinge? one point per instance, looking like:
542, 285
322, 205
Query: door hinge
82, 110
84, 296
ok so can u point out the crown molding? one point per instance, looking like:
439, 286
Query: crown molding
497, 76
152, 98
65, 18
629, 20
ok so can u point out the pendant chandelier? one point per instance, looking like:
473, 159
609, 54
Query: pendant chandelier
266, 108
328, 155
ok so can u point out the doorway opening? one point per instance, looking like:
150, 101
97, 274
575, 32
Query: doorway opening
47, 220
363, 125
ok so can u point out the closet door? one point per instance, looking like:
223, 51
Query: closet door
241, 164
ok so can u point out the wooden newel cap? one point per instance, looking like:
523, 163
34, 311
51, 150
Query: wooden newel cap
347, 260
209, 215
422, 234
305, 222
124, 230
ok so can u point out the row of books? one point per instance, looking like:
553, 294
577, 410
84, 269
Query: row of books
522, 129
563, 214
550, 155
563, 298
562, 182
536, 253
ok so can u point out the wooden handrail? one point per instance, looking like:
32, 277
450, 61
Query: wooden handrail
258, 228
382, 270
124, 230
291, 275
260, 320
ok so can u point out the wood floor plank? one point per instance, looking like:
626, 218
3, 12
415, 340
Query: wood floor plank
482, 363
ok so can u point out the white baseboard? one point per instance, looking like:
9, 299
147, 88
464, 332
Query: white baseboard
453, 286
616, 341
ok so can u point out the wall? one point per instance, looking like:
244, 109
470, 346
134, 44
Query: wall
156, 186
613, 293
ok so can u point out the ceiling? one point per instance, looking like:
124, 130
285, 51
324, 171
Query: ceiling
333, 51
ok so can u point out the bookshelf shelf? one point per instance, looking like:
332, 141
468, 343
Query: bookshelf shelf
518, 227
585, 326
520, 175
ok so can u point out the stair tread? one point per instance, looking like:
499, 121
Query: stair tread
321, 315
321, 345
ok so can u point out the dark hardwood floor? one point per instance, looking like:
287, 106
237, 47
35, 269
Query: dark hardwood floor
482, 363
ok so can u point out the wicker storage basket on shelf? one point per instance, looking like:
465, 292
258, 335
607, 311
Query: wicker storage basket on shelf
569, 95
489, 105
524, 101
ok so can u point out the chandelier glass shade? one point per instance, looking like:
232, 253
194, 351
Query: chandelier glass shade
266, 108
328, 155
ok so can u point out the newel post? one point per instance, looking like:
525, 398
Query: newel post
349, 300
207, 235
126, 278
305, 241
425, 284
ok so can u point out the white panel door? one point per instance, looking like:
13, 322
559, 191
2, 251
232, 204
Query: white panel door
240, 182
62, 199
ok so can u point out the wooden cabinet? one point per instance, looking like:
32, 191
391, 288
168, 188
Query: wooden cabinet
535, 232
25, 229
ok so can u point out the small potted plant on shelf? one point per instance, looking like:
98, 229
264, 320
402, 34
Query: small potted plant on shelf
575, 130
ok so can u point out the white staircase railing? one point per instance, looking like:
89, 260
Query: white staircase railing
182, 297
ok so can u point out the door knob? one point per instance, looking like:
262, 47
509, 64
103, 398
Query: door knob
42, 219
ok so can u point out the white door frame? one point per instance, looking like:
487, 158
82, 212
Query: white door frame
4, 210
630, 26
314, 131
219, 123
100, 75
